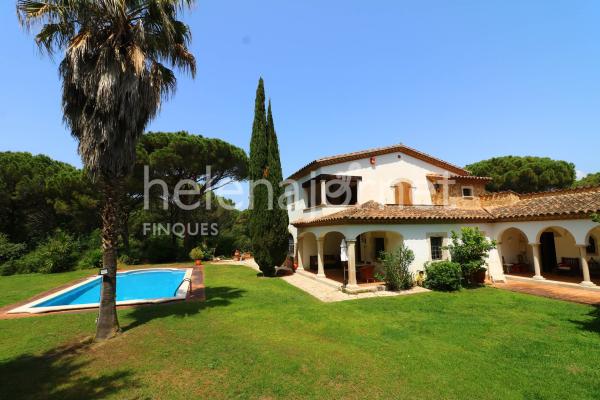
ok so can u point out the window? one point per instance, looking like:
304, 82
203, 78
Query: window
591, 247
313, 195
436, 248
403, 194
342, 193
467, 191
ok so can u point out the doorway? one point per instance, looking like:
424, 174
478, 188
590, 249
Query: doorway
548, 250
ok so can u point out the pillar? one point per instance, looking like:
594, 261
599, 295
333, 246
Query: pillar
320, 258
585, 268
298, 251
536, 262
351, 243
323, 192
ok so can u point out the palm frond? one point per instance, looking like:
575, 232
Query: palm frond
116, 69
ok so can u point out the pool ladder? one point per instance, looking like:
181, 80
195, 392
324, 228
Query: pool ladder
181, 283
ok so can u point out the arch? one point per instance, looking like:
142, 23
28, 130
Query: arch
558, 246
559, 230
592, 240
307, 252
369, 243
502, 233
515, 251
332, 248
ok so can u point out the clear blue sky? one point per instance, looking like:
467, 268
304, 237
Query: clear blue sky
462, 80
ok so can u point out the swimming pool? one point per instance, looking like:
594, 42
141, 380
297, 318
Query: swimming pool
133, 287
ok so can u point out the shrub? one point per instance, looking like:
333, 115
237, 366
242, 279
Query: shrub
443, 275
197, 253
90, 259
126, 259
8, 250
10, 267
156, 249
469, 249
57, 254
396, 268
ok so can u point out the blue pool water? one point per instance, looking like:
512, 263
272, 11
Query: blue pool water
132, 285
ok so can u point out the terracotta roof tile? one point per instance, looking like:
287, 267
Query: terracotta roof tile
374, 212
558, 203
573, 203
357, 155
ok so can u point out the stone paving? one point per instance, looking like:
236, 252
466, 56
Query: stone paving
575, 295
325, 290
327, 293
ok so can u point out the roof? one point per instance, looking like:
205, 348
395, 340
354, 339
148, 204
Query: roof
563, 204
560, 203
372, 212
433, 177
358, 155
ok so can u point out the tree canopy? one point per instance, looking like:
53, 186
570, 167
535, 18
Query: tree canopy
268, 222
115, 73
39, 194
525, 174
588, 180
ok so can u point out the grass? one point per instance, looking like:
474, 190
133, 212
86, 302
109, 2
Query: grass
261, 338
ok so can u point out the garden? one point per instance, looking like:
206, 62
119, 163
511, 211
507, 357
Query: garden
262, 338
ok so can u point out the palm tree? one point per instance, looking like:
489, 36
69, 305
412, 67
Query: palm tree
114, 73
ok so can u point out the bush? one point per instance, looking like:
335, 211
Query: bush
443, 275
197, 253
57, 254
396, 268
8, 250
90, 259
469, 249
10, 267
157, 249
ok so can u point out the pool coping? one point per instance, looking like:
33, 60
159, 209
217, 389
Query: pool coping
29, 307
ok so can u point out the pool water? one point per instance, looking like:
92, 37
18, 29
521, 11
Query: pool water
131, 285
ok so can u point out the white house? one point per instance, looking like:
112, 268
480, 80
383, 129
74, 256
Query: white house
376, 199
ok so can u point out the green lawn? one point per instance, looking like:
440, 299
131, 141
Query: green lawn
261, 338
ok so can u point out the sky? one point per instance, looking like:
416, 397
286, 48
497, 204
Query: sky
461, 80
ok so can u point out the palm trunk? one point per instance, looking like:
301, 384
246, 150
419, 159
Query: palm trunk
108, 324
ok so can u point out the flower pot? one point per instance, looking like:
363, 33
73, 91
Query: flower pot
198, 262
478, 277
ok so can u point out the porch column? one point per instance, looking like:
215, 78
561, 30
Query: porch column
536, 261
298, 254
585, 268
351, 247
320, 264
323, 193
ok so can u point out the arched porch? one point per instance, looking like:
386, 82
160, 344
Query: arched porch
321, 251
556, 252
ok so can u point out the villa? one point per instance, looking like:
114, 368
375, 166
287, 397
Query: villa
374, 200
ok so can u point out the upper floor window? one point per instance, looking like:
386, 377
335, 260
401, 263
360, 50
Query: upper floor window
467, 191
328, 189
342, 193
403, 194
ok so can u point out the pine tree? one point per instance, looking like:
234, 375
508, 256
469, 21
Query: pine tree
268, 223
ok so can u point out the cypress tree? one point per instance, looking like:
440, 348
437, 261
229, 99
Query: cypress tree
279, 217
268, 223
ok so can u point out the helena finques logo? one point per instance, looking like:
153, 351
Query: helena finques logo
188, 195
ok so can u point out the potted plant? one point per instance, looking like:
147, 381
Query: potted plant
197, 254
470, 248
